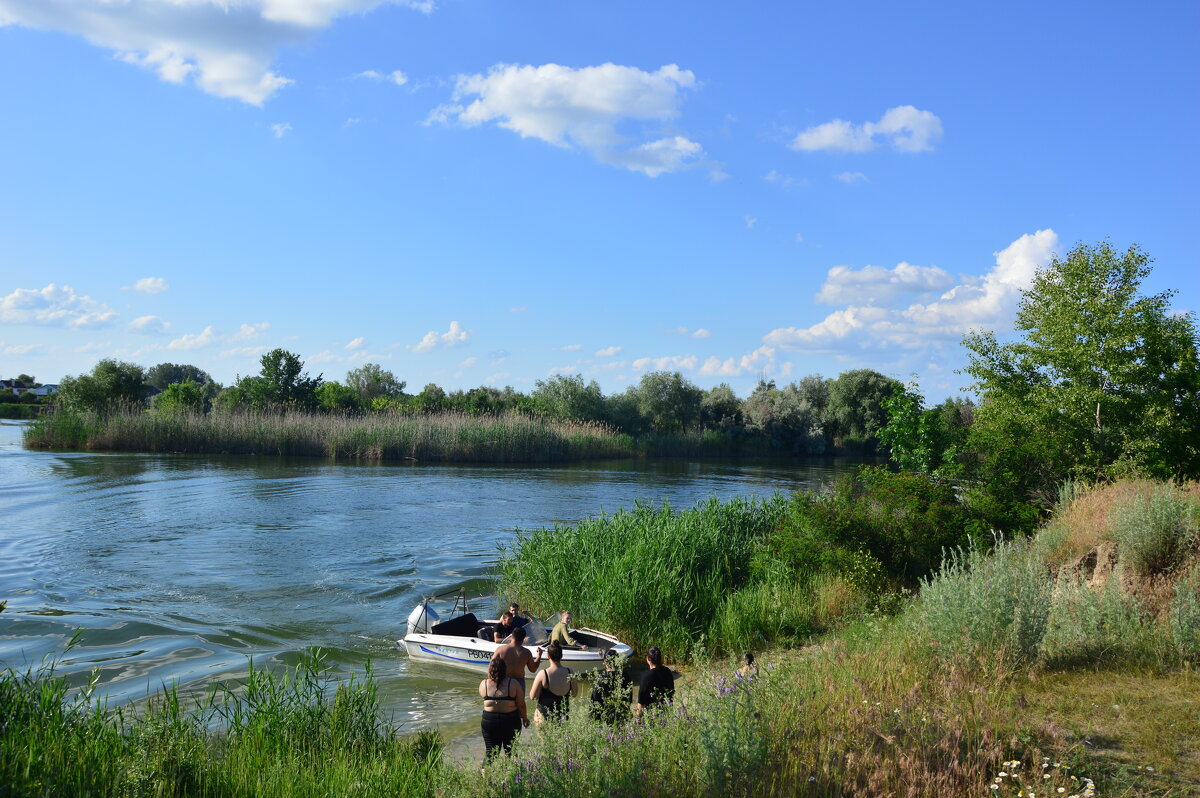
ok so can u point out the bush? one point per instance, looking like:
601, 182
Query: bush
1183, 616
994, 605
1091, 626
1153, 531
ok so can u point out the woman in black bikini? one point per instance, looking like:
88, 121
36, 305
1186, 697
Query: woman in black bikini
503, 709
553, 687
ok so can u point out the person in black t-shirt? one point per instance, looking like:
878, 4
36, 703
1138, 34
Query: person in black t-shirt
658, 683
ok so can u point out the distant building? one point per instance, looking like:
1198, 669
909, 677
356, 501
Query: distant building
16, 386
45, 390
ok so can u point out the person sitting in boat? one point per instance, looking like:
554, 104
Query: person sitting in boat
517, 657
561, 634
552, 688
503, 628
518, 618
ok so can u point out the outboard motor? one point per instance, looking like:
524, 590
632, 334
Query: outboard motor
422, 619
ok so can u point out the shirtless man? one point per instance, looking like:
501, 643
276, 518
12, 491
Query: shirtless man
517, 658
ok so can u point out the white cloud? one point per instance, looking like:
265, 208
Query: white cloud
784, 181
750, 221
904, 127
701, 333
984, 302
189, 341
247, 332
844, 285
281, 129
850, 178
610, 351
54, 306
453, 337
351, 122
245, 351
357, 343
669, 363
492, 379
519, 309
149, 325
569, 348
147, 285
581, 108
395, 76
760, 361
21, 349
324, 356
562, 370
698, 333
93, 346
223, 47
464, 365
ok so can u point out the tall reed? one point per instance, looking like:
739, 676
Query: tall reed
452, 436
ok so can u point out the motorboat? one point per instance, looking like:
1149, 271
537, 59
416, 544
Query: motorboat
462, 640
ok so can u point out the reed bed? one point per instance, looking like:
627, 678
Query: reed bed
447, 437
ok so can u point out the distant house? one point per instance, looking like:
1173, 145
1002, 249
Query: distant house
45, 390
16, 386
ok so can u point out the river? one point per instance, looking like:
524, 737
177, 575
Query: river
178, 568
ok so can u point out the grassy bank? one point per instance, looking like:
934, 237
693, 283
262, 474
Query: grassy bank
1064, 664
452, 437
19, 411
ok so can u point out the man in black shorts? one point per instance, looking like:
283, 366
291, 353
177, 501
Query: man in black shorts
657, 688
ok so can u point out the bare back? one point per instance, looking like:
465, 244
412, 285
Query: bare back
516, 658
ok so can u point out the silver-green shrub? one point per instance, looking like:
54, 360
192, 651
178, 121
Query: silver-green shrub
1152, 532
987, 604
1086, 625
1183, 616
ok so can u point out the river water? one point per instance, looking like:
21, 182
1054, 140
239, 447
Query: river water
178, 568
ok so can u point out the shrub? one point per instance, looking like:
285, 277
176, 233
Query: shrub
1093, 626
1183, 616
993, 604
1153, 531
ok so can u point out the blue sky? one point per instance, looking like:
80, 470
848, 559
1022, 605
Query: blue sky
490, 193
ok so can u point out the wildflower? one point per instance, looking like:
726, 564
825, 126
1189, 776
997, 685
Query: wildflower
812, 778
1062, 789
1149, 768
995, 787
1046, 776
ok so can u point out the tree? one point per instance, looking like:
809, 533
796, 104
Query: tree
720, 408
181, 397
111, 384
284, 383
668, 401
1105, 379
333, 396
565, 396
28, 381
165, 374
920, 439
855, 413
785, 418
372, 381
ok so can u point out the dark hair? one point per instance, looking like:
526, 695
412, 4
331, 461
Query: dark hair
505, 616
654, 655
748, 658
554, 652
512, 605
497, 670
518, 634
611, 654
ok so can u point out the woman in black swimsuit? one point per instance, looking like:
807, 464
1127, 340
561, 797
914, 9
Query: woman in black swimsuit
503, 709
553, 687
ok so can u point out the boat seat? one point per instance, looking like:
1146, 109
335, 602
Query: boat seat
462, 626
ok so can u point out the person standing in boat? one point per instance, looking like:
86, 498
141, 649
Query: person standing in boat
552, 688
517, 658
518, 618
560, 634
504, 710
657, 688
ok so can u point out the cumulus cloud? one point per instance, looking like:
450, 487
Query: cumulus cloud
669, 363
248, 332
973, 303
582, 108
281, 129
850, 178
904, 127
760, 361
433, 340
844, 285
698, 333
244, 351
54, 306
610, 351
194, 341
223, 47
357, 343
149, 325
147, 285
569, 348
395, 76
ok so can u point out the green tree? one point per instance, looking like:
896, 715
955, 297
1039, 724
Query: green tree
28, 381
334, 397
371, 381
181, 397
720, 408
920, 439
111, 384
566, 396
855, 412
285, 383
668, 401
1104, 378
785, 418
165, 374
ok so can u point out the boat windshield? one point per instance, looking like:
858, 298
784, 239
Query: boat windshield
536, 633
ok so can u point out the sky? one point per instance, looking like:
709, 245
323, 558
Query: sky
491, 193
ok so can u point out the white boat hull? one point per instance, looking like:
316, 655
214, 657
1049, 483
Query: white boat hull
472, 653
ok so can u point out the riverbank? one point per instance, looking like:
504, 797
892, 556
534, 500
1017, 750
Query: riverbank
1072, 654
449, 436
